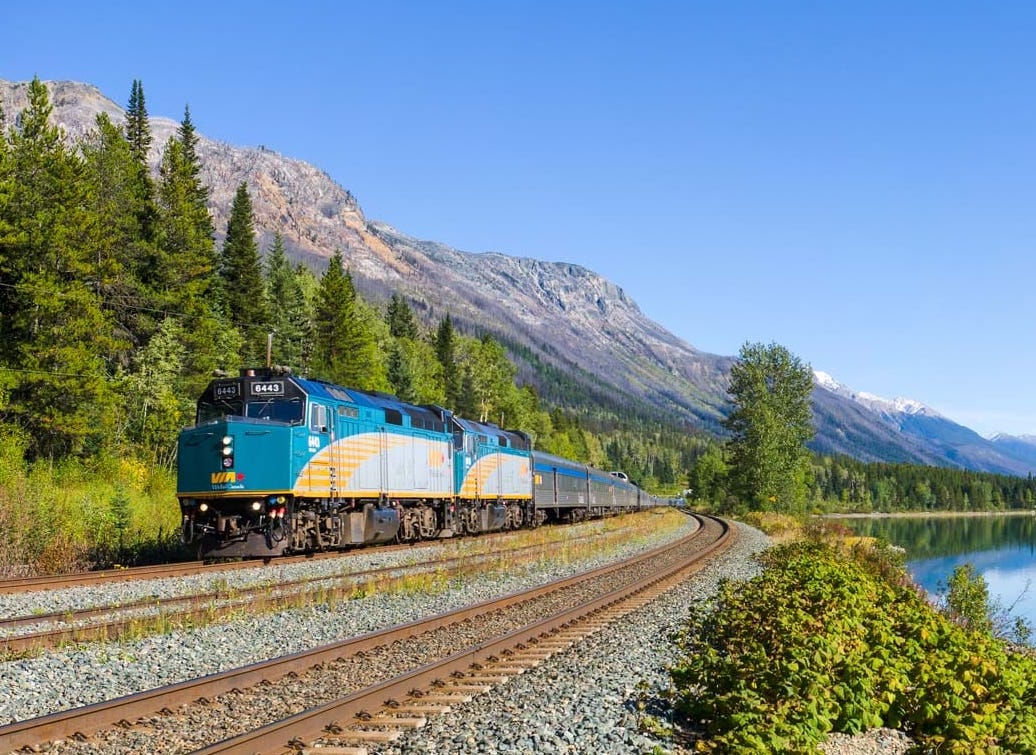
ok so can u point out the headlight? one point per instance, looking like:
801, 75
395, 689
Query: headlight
204, 507
228, 451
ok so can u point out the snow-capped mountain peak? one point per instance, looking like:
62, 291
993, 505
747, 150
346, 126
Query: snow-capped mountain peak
873, 402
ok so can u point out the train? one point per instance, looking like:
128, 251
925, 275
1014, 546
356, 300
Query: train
278, 464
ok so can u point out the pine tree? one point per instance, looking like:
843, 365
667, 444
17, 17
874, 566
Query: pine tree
138, 134
188, 137
244, 294
400, 318
290, 317
57, 339
138, 126
401, 374
185, 266
446, 351
182, 278
346, 350
7, 237
112, 172
8, 298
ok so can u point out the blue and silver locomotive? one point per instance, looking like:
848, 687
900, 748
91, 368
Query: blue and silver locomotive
277, 463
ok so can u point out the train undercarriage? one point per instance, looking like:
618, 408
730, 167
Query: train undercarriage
278, 525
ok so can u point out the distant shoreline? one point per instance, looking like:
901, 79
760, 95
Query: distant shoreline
926, 514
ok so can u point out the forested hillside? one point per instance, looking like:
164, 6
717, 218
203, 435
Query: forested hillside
117, 306
575, 336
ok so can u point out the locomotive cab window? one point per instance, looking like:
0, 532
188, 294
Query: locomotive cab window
318, 418
216, 409
280, 409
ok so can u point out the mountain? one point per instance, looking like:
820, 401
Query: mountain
873, 428
575, 335
1022, 448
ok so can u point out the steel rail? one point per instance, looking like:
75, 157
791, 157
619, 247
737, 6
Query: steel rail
312, 724
156, 571
191, 568
91, 718
259, 597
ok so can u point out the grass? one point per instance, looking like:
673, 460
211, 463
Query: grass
69, 516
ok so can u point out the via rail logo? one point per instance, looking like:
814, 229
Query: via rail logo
227, 480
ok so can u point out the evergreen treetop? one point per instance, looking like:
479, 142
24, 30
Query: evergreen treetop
401, 318
138, 126
242, 279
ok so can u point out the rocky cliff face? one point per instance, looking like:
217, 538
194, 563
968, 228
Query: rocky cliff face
565, 314
562, 315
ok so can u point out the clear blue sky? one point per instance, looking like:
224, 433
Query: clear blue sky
855, 181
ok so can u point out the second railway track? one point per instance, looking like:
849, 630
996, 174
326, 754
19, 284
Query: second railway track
319, 675
113, 621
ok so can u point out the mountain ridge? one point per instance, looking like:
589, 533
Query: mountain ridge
565, 315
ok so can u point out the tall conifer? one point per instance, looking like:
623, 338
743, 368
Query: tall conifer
446, 351
57, 338
400, 318
8, 298
401, 374
185, 266
242, 279
290, 318
183, 277
346, 350
112, 173
138, 135
138, 126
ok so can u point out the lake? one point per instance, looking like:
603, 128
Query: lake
1002, 548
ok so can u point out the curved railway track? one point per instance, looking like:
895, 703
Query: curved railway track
602, 594
124, 618
191, 568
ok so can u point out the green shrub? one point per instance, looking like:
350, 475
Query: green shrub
73, 515
836, 640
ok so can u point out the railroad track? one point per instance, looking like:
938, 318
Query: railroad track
129, 574
132, 617
389, 696
191, 568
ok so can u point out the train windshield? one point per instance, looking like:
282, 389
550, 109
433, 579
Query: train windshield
280, 409
288, 409
210, 410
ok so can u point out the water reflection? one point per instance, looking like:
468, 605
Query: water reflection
1001, 548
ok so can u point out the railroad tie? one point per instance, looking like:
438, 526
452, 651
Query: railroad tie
466, 688
486, 679
503, 673
446, 697
369, 735
389, 718
422, 707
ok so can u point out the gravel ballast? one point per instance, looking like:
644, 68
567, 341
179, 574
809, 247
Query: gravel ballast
594, 698
597, 696
71, 676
